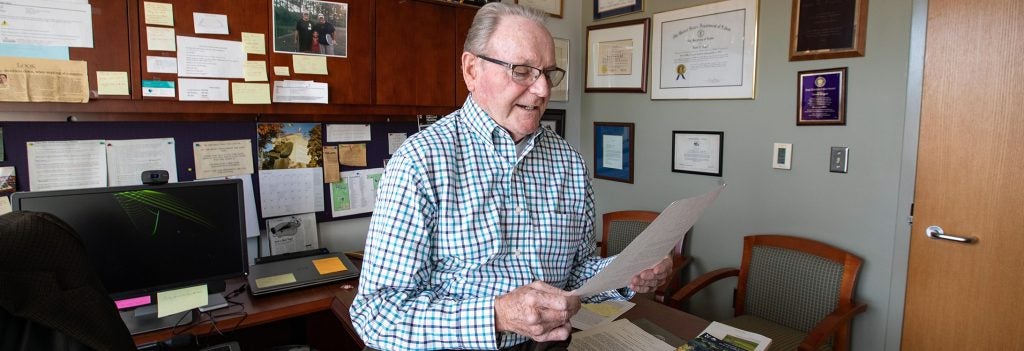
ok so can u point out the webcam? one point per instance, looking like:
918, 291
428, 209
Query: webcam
155, 177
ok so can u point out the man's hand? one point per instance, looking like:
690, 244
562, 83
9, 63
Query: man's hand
650, 279
538, 310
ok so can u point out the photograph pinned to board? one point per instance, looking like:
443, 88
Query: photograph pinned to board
292, 233
617, 57
289, 145
310, 27
705, 52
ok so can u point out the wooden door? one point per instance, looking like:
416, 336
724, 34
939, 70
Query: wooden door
968, 296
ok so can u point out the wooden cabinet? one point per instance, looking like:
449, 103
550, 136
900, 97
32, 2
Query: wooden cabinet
414, 57
112, 43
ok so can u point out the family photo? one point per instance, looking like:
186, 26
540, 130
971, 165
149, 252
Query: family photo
311, 27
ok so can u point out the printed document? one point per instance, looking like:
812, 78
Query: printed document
71, 164
300, 91
620, 335
210, 58
43, 80
126, 159
46, 23
651, 245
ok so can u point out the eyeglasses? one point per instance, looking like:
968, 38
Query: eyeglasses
524, 74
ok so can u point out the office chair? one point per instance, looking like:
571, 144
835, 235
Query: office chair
796, 291
621, 227
50, 298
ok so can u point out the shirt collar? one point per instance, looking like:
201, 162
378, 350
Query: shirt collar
481, 123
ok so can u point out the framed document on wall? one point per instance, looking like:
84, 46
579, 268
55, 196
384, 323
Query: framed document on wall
697, 152
612, 8
705, 52
821, 97
617, 57
552, 7
613, 151
561, 91
827, 29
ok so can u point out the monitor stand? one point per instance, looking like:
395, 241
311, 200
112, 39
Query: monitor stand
144, 319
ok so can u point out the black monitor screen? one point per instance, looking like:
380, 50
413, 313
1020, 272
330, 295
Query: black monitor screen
143, 239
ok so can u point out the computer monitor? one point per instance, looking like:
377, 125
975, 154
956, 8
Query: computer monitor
149, 238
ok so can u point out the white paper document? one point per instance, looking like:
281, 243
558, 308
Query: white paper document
161, 64
209, 23
210, 58
300, 91
395, 141
71, 164
202, 89
594, 314
291, 191
46, 23
126, 159
292, 233
651, 245
343, 133
222, 158
621, 335
612, 152
356, 192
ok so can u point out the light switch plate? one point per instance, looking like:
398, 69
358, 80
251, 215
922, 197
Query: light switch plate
782, 156
838, 159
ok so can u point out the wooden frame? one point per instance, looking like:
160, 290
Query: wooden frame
552, 7
616, 8
697, 152
614, 62
821, 97
562, 54
842, 37
554, 120
613, 151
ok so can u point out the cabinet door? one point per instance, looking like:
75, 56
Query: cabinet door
415, 64
463, 19
111, 44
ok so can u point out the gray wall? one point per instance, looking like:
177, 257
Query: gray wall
857, 211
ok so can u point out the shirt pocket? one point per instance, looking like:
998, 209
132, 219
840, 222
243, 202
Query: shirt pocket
557, 239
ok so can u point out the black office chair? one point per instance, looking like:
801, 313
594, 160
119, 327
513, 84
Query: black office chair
50, 298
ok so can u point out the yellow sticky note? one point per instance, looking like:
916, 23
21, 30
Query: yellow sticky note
281, 71
250, 93
304, 64
159, 13
605, 310
180, 300
111, 83
329, 265
255, 71
276, 280
160, 39
254, 43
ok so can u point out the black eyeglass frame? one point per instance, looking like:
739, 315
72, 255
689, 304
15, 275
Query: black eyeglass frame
535, 76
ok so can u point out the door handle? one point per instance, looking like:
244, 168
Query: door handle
936, 232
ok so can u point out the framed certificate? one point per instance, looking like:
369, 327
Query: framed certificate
617, 57
612, 8
697, 152
705, 52
552, 7
613, 151
561, 91
821, 97
827, 29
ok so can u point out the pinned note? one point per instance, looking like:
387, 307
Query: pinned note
281, 71
255, 71
353, 155
111, 83
304, 64
181, 300
160, 39
159, 13
254, 43
250, 93
329, 265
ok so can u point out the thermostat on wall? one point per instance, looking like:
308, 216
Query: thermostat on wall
782, 156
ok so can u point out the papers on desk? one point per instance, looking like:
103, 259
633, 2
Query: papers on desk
651, 245
594, 314
620, 335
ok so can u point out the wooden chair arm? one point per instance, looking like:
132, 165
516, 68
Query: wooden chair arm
839, 318
696, 285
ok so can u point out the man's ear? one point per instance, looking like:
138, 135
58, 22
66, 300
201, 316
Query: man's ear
469, 70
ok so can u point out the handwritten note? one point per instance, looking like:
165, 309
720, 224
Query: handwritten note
304, 64
181, 300
281, 71
159, 13
254, 43
255, 71
160, 39
250, 93
111, 83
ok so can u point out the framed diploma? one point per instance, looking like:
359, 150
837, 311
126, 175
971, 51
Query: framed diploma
561, 91
552, 7
617, 57
697, 152
821, 97
613, 151
612, 8
705, 52
825, 29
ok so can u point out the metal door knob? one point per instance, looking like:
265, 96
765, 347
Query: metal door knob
936, 232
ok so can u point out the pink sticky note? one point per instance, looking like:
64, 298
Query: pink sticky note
132, 302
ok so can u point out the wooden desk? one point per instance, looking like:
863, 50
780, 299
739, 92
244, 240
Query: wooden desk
682, 324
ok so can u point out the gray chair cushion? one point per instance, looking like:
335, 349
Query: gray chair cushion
791, 288
621, 233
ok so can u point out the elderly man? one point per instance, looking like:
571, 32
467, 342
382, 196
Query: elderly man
484, 221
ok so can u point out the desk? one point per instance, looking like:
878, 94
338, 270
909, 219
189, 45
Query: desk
327, 307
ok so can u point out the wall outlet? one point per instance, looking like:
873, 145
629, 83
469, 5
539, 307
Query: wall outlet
782, 156
837, 160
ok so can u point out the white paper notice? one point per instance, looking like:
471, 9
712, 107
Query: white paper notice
291, 191
46, 23
651, 245
160, 39
594, 314
202, 89
300, 91
395, 141
341, 133
210, 58
621, 335
356, 192
612, 152
126, 159
160, 64
209, 23
222, 158
71, 164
